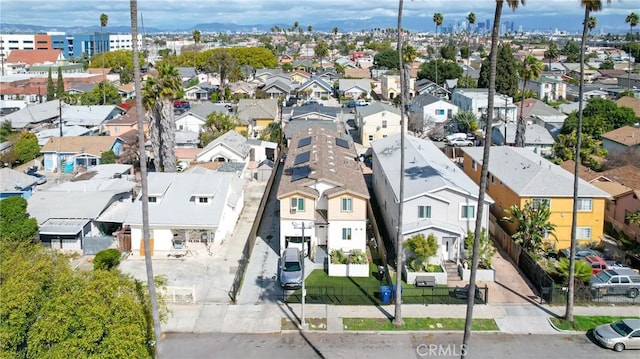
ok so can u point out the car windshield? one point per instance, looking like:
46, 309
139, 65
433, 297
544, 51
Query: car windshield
621, 328
291, 266
603, 276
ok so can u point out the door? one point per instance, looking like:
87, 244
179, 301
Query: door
448, 248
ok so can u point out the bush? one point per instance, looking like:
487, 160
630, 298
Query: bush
107, 259
338, 256
357, 257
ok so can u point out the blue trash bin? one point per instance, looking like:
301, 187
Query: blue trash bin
393, 290
385, 294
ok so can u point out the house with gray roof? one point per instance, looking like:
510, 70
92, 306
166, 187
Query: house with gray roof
34, 115
186, 210
354, 88
538, 112
233, 147
536, 138
14, 183
439, 198
433, 110
194, 118
278, 86
91, 117
257, 114
376, 121
322, 188
315, 87
44, 135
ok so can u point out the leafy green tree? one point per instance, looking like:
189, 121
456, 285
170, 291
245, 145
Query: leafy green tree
571, 50
386, 59
419, 249
628, 93
448, 52
565, 146
533, 225
272, 133
448, 70
51, 90
27, 147
5, 130
159, 93
15, 223
106, 259
120, 61
607, 64
197, 36
633, 217
507, 72
486, 250
531, 69
466, 121
321, 50
97, 95
552, 53
600, 116
107, 157
467, 82
216, 125
464, 52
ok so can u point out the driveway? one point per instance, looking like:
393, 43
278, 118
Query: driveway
511, 285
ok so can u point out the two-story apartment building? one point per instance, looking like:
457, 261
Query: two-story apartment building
547, 87
322, 193
439, 197
518, 175
376, 121
477, 101
390, 85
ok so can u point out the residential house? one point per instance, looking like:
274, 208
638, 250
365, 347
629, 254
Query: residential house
257, 114
433, 110
354, 88
35, 115
44, 135
626, 138
186, 73
124, 124
14, 183
538, 112
78, 151
439, 198
537, 138
477, 100
424, 87
547, 88
74, 215
376, 121
91, 117
323, 196
233, 147
242, 89
518, 175
278, 86
195, 118
315, 87
391, 87
631, 102
299, 76
199, 92
357, 73
127, 91
187, 209
262, 74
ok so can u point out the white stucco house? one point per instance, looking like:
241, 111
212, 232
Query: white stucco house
376, 121
193, 119
477, 101
433, 110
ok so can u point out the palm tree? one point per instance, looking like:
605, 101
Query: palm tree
472, 20
633, 217
589, 7
592, 23
159, 94
632, 20
197, 36
437, 19
143, 174
104, 20
309, 28
295, 25
397, 317
531, 69
493, 56
321, 50
552, 53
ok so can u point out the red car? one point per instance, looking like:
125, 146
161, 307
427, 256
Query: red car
597, 264
181, 104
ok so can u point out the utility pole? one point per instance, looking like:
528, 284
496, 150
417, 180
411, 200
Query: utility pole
303, 226
505, 120
60, 141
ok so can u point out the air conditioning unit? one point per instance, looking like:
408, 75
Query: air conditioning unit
294, 209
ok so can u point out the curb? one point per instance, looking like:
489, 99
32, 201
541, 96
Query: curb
561, 330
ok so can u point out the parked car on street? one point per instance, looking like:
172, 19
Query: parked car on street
460, 143
33, 171
620, 335
456, 136
291, 269
597, 264
619, 281
581, 253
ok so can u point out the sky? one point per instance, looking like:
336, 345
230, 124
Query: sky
182, 14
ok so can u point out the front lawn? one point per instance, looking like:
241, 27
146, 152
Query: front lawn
583, 323
417, 324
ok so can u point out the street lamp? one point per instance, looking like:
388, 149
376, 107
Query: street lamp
303, 226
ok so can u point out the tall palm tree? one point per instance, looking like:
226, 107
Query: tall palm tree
531, 69
143, 174
592, 23
552, 53
197, 36
589, 7
437, 19
104, 20
632, 20
159, 94
493, 57
397, 317
472, 20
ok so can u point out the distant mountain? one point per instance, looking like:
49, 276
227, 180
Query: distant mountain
28, 29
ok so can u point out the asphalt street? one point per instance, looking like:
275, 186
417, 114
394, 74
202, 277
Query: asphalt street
392, 345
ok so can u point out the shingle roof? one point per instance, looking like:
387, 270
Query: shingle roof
628, 175
631, 102
327, 162
249, 109
626, 135
94, 145
10, 179
584, 172
528, 174
89, 115
35, 114
32, 57
375, 107
233, 141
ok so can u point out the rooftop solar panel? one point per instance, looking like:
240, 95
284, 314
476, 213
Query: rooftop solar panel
300, 173
342, 142
304, 142
302, 158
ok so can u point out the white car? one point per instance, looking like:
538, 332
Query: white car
460, 142
456, 136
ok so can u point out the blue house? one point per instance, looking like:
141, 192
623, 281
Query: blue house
14, 183
78, 151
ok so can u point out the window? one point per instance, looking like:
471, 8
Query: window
370, 137
537, 202
297, 204
384, 123
474, 165
347, 205
346, 234
153, 199
583, 232
585, 204
424, 211
203, 200
439, 112
468, 212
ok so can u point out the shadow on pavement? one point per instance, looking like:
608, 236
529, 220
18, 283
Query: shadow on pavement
295, 319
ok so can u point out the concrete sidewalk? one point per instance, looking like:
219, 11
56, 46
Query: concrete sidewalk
268, 318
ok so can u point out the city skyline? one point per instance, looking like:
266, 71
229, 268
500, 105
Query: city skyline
161, 14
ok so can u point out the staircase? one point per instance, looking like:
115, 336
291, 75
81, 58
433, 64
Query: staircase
452, 271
